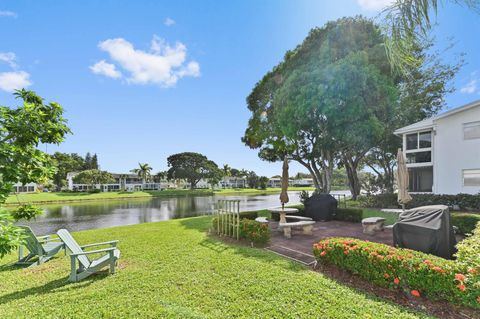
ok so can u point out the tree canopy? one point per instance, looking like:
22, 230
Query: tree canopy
192, 167
22, 129
93, 177
326, 96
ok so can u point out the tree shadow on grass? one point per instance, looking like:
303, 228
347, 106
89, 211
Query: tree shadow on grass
51, 287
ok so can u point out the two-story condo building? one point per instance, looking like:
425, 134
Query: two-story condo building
443, 152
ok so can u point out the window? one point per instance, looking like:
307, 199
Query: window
412, 141
419, 140
419, 157
425, 139
471, 177
471, 131
420, 179
31, 189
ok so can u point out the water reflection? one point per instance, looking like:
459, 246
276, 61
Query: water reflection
82, 216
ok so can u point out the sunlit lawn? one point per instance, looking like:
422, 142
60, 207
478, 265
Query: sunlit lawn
172, 269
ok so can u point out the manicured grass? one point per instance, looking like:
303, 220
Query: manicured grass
172, 269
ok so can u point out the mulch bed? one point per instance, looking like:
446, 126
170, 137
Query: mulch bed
441, 309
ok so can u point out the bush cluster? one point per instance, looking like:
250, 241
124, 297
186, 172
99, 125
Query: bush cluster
249, 228
465, 222
468, 250
416, 273
349, 214
462, 201
254, 231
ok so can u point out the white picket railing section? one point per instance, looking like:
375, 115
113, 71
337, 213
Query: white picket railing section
228, 218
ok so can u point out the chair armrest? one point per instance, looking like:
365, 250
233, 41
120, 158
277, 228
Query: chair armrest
111, 243
48, 240
94, 251
43, 237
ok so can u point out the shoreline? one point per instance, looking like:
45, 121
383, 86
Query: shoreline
112, 196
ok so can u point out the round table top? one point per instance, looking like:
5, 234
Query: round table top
284, 210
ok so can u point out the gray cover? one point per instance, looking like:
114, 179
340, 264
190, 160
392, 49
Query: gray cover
427, 229
320, 207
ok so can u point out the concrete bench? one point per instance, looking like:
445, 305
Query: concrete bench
298, 217
262, 220
372, 225
307, 226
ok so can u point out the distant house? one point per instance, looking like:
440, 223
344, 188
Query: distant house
27, 188
443, 152
128, 182
233, 182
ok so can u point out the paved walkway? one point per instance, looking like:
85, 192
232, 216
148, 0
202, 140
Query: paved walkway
299, 247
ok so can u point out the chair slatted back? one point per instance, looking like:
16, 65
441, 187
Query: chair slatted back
31, 241
73, 246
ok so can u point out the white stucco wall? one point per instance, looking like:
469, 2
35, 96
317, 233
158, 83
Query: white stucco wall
452, 154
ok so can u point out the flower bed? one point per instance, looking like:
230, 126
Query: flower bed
416, 273
250, 230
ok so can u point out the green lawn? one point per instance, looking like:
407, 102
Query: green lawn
59, 197
172, 269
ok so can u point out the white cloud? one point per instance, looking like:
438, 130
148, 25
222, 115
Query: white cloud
169, 22
470, 87
8, 14
163, 65
10, 81
374, 5
9, 58
107, 69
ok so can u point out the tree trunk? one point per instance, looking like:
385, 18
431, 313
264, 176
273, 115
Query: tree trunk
351, 166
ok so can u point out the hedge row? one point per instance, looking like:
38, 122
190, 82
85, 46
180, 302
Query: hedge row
416, 273
462, 201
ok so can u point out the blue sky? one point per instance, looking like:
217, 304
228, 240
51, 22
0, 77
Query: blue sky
141, 80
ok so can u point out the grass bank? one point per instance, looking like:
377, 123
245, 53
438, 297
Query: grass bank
61, 197
172, 269
64, 197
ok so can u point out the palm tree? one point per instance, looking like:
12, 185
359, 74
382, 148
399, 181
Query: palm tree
407, 21
227, 171
142, 171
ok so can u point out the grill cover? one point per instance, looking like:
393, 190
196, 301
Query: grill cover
427, 229
320, 207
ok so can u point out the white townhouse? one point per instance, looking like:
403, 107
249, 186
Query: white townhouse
129, 182
443, 152
27, 188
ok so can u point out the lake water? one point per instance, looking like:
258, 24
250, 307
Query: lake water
102, 214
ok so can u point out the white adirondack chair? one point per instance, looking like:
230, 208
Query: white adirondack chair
87, 267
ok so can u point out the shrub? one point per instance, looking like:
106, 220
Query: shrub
254, 231
468, 251
249, 229
412, 271
349, 214
465, 222
463, 201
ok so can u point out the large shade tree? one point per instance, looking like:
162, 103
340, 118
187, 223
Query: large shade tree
323, 103
192, 167
22, 130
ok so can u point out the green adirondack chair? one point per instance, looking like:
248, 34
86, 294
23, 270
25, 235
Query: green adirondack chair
43, 247
87, 267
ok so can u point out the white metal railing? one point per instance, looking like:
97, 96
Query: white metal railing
227, 216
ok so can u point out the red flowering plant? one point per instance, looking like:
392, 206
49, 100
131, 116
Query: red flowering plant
417, 273
254, 231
